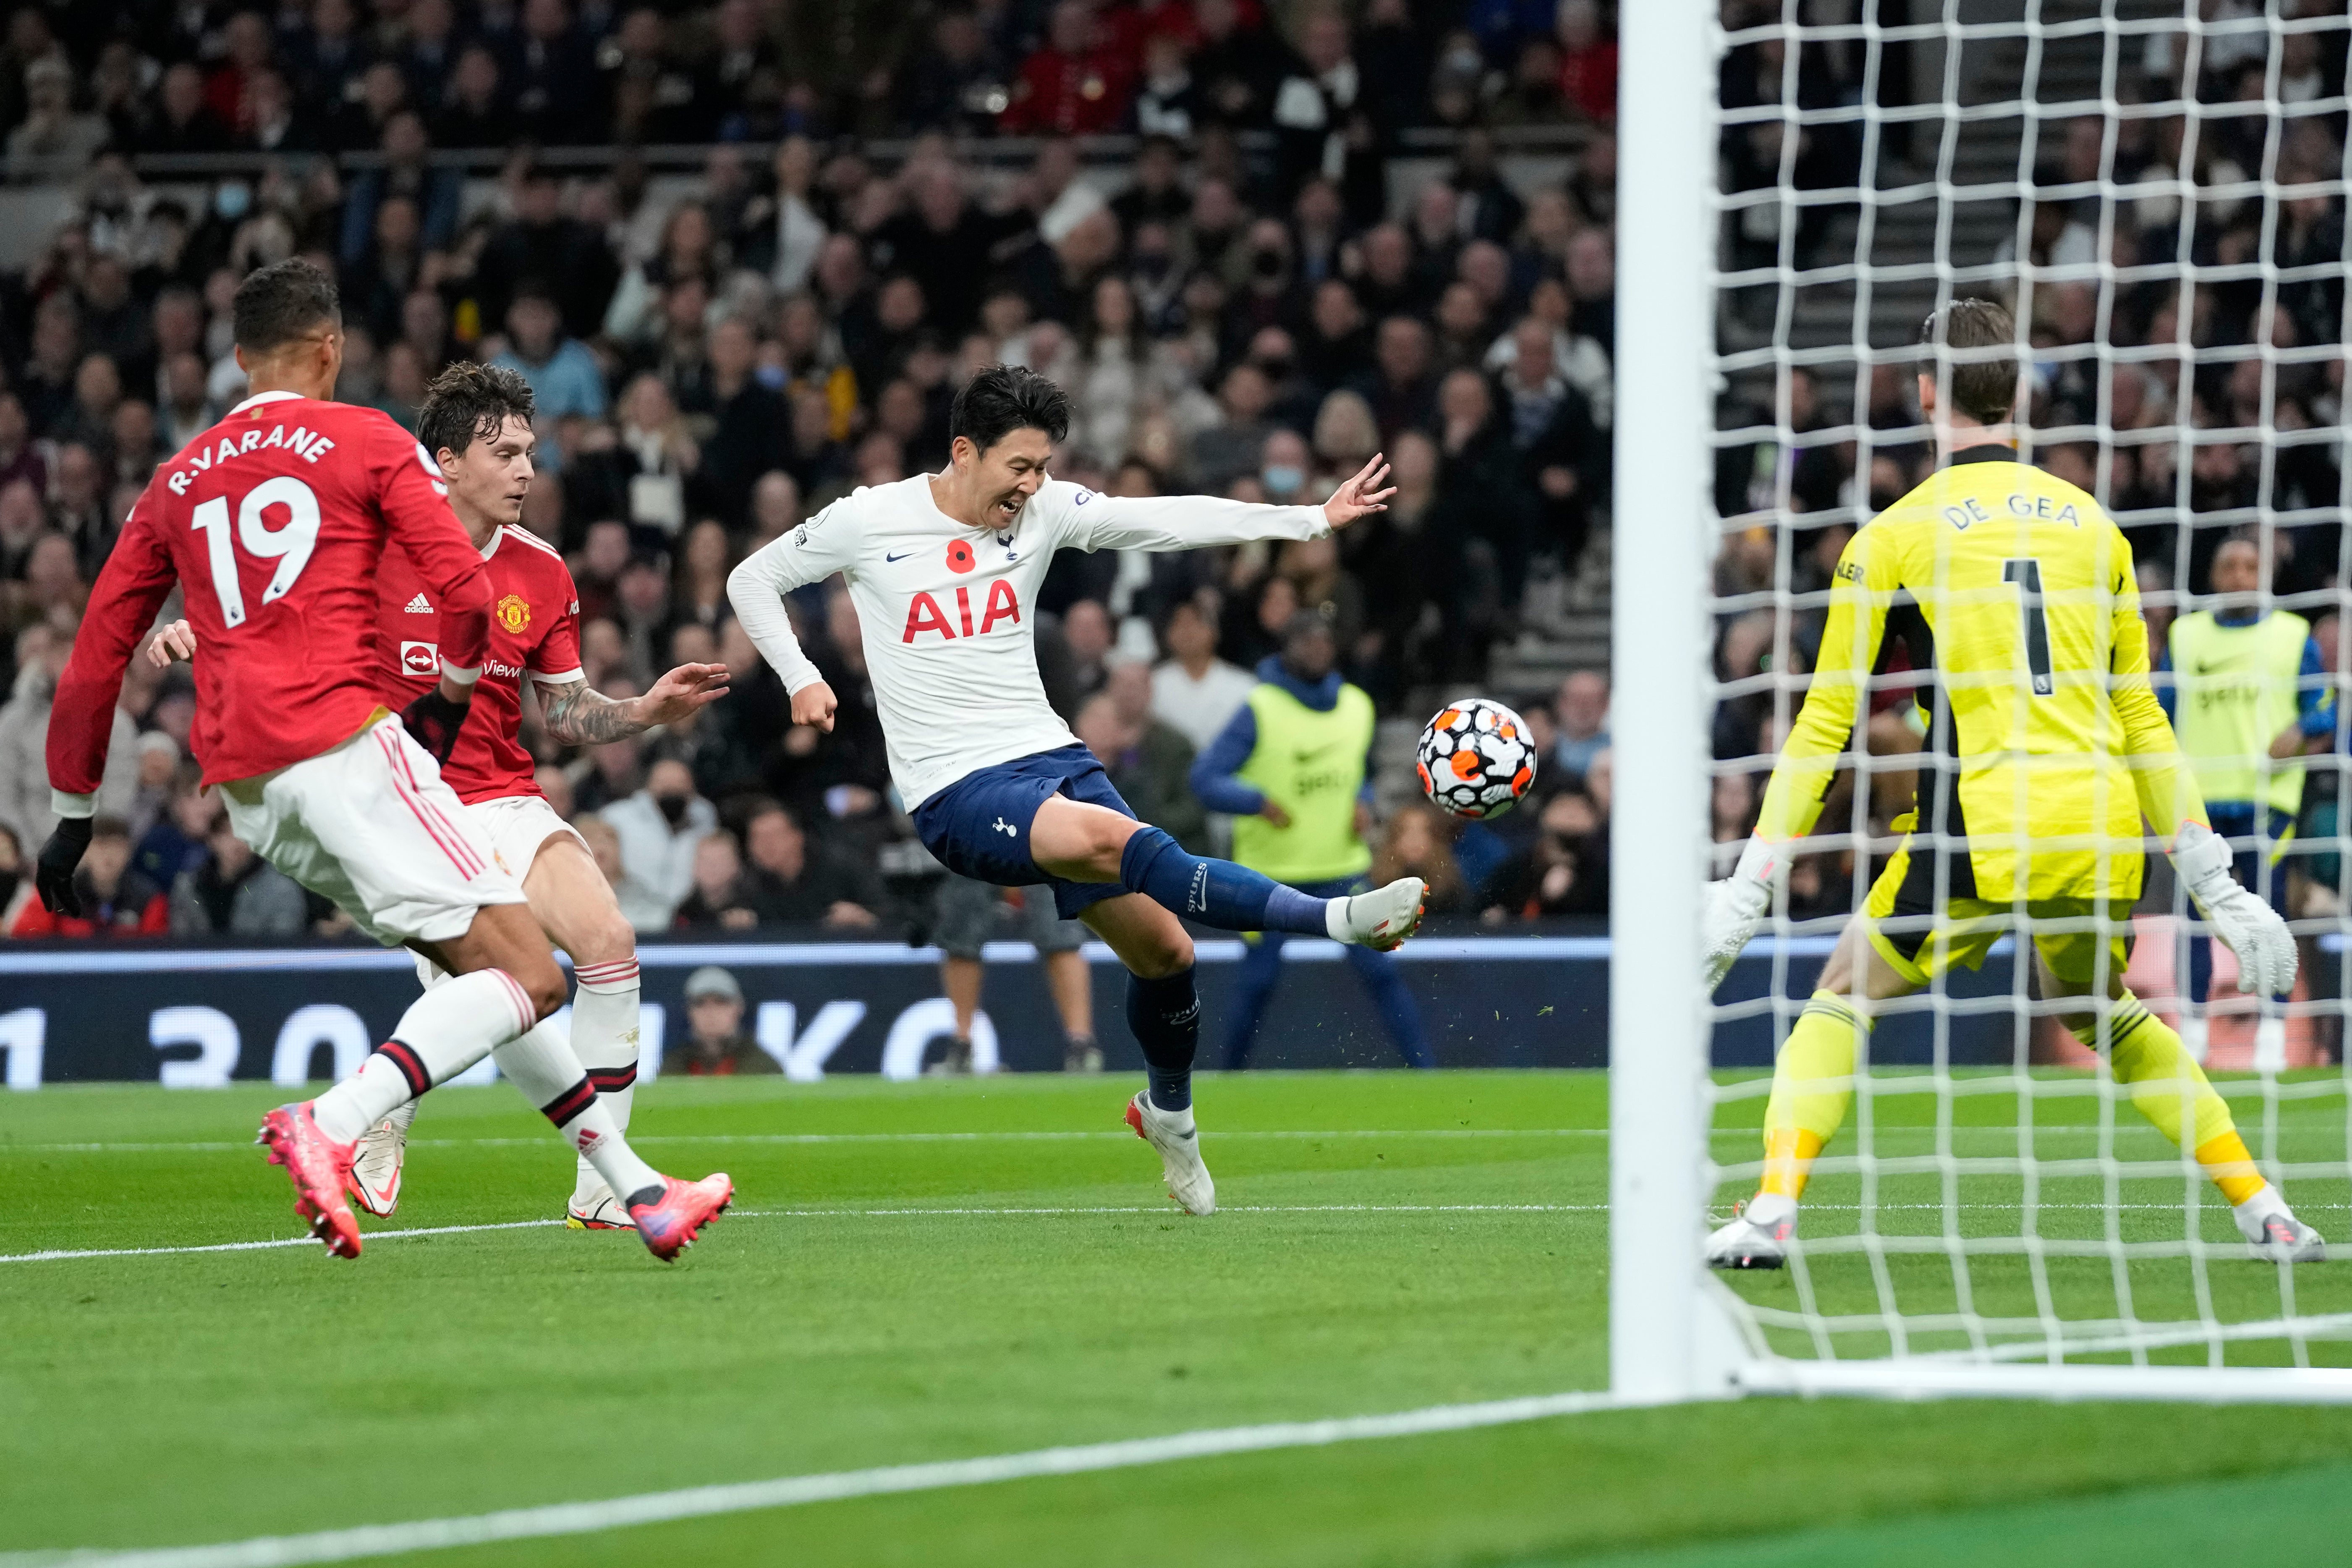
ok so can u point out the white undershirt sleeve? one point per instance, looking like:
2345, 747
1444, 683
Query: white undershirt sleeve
814, 551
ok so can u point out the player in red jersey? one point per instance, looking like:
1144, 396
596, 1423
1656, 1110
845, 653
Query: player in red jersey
477, 424
273, 523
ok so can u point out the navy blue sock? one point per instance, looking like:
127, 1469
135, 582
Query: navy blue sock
1214, 892
1166, 1018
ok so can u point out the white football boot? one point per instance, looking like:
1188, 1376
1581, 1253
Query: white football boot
594, 1207
384, 1151
1174, 1133
1757, 1238
2272, 1233
1381, 918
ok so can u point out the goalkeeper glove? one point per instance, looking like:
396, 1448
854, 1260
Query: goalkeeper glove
2250, 928
434, 722
53, 874
1735, 906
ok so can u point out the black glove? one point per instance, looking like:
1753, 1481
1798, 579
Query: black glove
53, 876
434, 722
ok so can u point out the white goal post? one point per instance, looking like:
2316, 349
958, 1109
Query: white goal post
1730, 289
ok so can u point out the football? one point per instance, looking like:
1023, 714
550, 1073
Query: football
1476, 758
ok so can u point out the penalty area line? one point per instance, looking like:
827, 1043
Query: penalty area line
788, 1491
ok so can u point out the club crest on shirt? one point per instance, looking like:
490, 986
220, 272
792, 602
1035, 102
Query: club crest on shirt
513, 612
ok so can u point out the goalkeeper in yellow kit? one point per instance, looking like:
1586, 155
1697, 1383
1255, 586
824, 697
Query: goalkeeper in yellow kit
2045, 749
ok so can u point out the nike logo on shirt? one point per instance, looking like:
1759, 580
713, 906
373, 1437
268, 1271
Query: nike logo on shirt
900, 556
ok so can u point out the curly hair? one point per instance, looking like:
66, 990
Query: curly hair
469, 402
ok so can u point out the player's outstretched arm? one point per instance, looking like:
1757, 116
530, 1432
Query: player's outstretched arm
131, 586
578, 715
1092, 521
1864, 585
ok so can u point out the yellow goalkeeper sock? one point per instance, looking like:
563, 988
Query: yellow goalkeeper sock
1811, 1085
2169, 1089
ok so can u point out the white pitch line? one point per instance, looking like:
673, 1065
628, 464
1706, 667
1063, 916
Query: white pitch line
59, 1254
795, 1138
788, 1491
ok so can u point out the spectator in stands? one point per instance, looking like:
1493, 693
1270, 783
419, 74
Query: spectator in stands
116, 900
41, 653
1414, 845
1582, 718
563, 376
715, 1043
1194, 691
658, 828
235, 892
15, 880
720, 900
792, 882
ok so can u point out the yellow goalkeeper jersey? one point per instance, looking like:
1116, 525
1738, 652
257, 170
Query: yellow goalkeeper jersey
2046, 745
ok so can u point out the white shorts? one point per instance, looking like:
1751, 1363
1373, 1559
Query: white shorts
517, 827
371, 825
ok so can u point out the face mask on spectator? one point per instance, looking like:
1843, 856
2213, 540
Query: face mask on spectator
771, 376
1266, 263
232, 199
1283, 479
673, 808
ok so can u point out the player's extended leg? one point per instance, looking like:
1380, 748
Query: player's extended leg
1261, 973
2168, 1087
1081, 842
503, 982
1400, 1013
575, 907
1164, 1011
1813, 1084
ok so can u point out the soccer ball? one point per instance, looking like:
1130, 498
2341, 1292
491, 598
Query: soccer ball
1476, 758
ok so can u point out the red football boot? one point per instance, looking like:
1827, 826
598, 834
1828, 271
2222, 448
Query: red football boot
670, 1224
320, 1169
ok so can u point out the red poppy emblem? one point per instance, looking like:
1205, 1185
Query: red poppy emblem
961, 558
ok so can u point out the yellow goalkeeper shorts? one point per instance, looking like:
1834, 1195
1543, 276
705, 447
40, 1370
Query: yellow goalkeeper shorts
1922, 935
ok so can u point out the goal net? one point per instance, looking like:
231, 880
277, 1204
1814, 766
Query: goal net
2156, 189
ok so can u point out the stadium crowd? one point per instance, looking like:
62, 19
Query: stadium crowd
1253, 299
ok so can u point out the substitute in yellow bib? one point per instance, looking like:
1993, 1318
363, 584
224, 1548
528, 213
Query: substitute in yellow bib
2045, 749
1292, 768
2248, 693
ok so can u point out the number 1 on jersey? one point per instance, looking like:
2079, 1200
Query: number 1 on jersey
2024, 572
289, 546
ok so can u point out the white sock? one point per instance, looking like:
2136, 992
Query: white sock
605, 1038
443, 1032
542, 1066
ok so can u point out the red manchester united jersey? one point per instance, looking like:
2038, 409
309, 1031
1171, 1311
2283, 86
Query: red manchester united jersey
534, 631
274, 521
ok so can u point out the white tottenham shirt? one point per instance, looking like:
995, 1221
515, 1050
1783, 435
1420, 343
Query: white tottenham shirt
947, 612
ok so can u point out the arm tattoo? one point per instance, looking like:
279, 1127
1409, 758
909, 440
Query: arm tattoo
576, 716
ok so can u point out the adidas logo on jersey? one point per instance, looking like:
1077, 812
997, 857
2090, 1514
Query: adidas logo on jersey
417, 606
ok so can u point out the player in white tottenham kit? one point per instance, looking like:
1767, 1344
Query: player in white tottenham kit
944, 570
476, 422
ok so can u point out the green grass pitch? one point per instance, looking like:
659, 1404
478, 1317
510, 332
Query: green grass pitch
1388, 1242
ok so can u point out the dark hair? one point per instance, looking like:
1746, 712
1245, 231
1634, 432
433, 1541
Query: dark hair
1004, 398
284, 302
469, 402
1983, 385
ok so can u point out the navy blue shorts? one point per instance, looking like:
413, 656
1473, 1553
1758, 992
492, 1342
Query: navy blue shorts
978, 825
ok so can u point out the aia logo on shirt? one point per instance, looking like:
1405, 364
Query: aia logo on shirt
926, 614
420, 659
